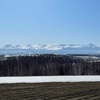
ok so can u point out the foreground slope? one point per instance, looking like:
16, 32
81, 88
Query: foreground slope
50, 91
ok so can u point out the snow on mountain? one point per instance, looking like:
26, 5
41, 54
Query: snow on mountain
8, 46
38, 46
91, 45
50, 48
23, 47
54, 46
74, 46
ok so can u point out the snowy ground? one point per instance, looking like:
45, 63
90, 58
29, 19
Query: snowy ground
40, 79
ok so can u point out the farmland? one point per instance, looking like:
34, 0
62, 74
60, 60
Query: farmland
51, 91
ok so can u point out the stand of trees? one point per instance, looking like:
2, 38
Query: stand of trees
47, 64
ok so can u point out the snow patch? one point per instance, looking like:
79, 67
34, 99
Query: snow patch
41, 79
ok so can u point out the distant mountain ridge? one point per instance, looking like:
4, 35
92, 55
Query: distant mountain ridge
50, 48
54, 46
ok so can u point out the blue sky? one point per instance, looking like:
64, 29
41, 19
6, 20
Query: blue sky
49, 21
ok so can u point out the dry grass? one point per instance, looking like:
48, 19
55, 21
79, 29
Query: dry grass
50, 91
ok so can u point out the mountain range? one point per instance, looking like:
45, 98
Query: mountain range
50, 48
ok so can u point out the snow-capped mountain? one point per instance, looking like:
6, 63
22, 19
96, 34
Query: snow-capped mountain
54, 46
8, 46
38, 46
22, 47
50, 48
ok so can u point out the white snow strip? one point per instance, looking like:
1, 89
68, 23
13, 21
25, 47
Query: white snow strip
41, 79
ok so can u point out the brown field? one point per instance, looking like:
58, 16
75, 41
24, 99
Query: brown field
51, 91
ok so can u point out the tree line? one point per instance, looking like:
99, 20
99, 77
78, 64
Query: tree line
47, 64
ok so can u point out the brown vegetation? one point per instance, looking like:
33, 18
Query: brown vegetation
50, 91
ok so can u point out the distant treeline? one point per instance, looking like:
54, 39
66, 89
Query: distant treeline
47, 64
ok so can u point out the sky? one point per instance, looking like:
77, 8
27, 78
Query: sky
49, 21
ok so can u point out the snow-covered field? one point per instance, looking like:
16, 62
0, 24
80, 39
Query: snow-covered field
40, 79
